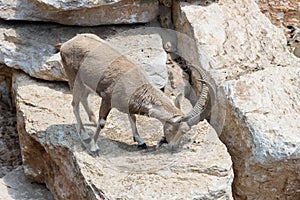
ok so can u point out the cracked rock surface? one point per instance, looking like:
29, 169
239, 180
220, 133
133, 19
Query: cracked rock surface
83, 13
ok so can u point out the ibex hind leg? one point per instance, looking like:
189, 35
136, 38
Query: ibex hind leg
78, 96
103, 113
80, 128
85, 103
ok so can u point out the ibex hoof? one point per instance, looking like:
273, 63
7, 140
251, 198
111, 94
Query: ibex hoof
94, 149
173, 147
142, 146
87, 140
162, 141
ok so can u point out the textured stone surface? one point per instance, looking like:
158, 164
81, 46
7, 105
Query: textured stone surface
258, 83
52, 153
84, 13
286, 12
263, 134
15, 185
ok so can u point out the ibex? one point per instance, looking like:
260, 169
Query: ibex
293, 39
92, 64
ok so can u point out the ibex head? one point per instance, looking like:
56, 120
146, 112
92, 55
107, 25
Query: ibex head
177, 126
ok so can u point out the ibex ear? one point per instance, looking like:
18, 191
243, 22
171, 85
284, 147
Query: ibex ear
177, 100
176, 119
182, 119
179, 120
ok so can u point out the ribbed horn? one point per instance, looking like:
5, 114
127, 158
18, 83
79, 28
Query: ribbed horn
194, 115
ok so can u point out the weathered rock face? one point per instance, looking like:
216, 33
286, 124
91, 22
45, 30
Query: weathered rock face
15, 185
28, 47
258, 83
52, 153
266, 153
285, 12
84, 13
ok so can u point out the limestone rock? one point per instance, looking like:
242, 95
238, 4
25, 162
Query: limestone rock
15, 185
84, 13
258, 93
281, 12
29, 47
53, 154
269, 112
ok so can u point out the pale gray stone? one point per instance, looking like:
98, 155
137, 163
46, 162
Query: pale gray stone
258, 80
84, 13
15, 185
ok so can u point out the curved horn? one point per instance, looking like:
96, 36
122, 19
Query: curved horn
194, 115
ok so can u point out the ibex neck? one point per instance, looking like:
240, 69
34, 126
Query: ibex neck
151, 102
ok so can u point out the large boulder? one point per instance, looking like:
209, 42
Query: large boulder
258, 93
32, 48
84, 13
53, 153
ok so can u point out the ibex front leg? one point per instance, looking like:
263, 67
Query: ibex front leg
136, 136
103, 113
